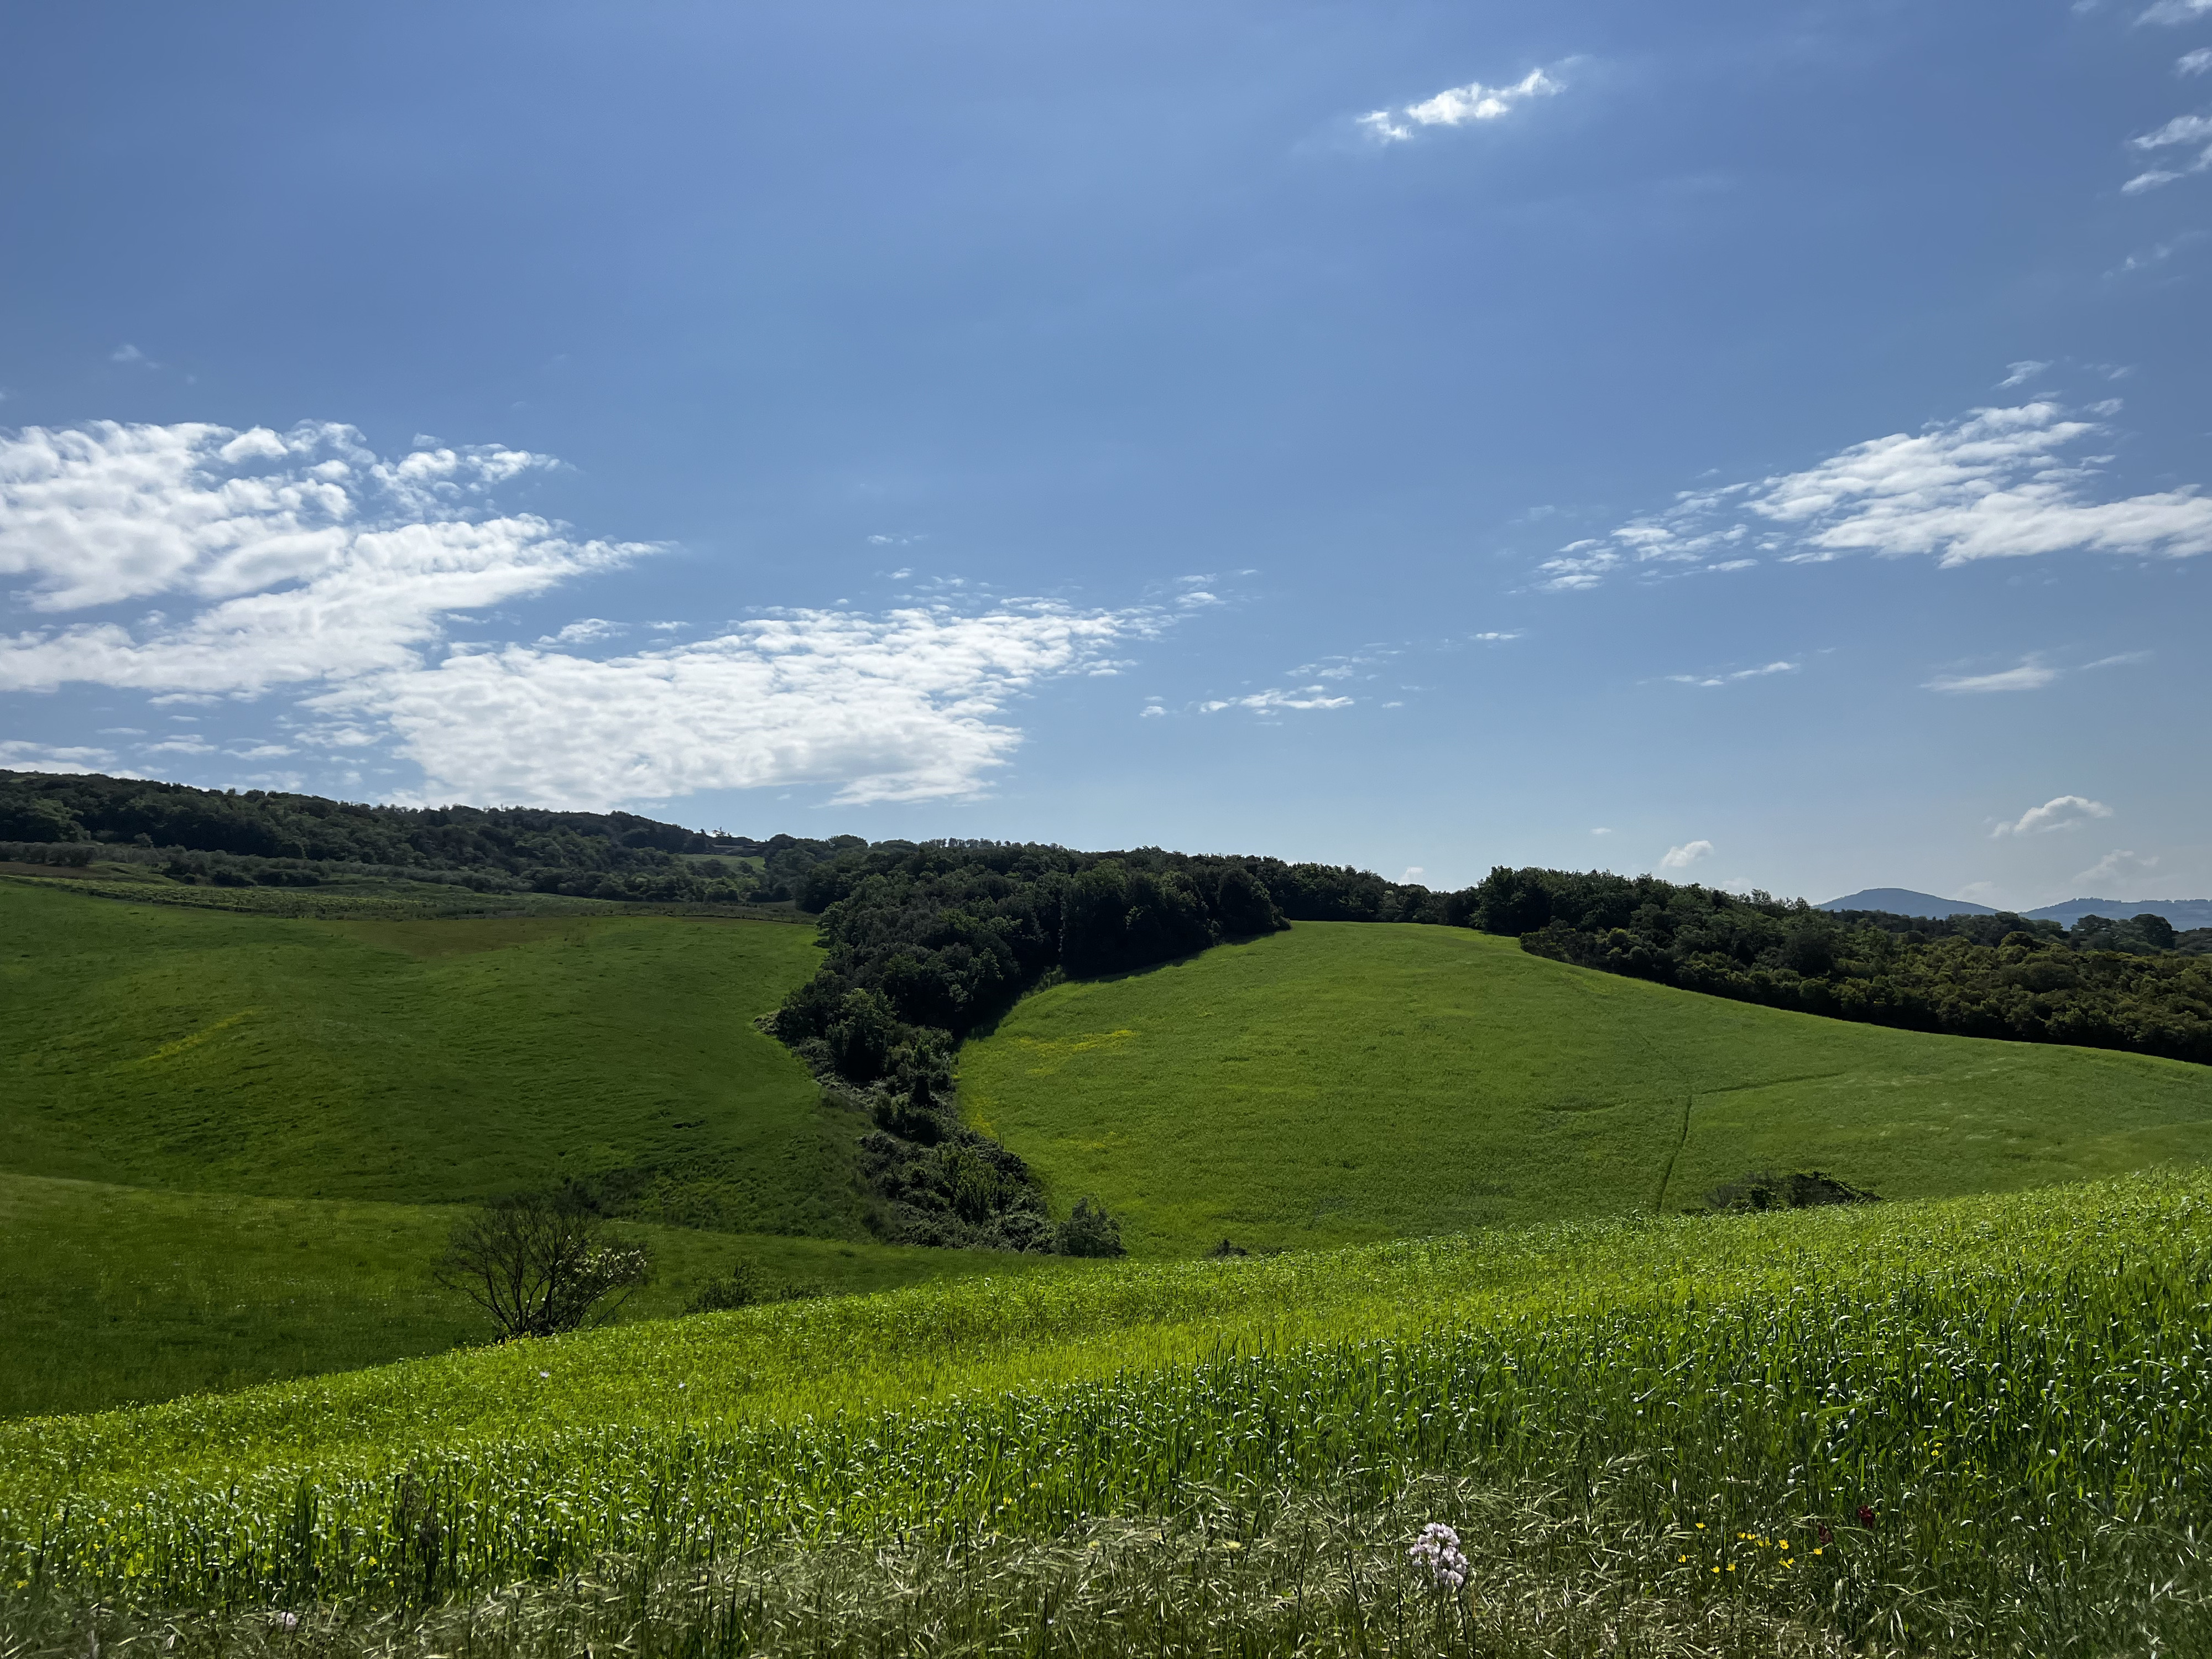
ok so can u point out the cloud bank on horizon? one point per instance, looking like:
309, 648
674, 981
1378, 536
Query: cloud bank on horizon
301, 561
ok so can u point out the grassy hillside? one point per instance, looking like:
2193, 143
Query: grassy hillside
413, 1060
115, 1295
1653, 1424
1345, 1081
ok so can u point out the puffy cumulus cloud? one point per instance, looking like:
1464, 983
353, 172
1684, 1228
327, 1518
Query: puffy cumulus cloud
2059, 812
2118, 867
901, 706
299, 555
1456, 107
1992, 484
1682, 857
303, 560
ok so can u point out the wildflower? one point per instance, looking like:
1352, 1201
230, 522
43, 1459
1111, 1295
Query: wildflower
1438, 1549
1866, 1514
286, 1621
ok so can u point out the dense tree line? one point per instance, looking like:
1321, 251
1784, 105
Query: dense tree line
2134, 985
230, 837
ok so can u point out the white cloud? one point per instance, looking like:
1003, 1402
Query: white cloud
1198, 597
303, 560
586, 630
1682, 857
1413, 872
2028, 677
1739, 674
306, 556
2181, 129
1601, 832
127, 353
2177, 11
1991, 484
20, 757
1498, 638
1310, 696
1457, 105
2193, 63
2021, 372
901, 706
2118, 866
2059, 812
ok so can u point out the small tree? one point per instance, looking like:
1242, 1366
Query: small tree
1091, 1231
540, 1266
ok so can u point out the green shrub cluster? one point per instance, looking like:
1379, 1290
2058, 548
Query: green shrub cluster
2107, 986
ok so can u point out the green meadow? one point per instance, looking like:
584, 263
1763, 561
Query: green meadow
116, 1295
413, 1060
1351, 1081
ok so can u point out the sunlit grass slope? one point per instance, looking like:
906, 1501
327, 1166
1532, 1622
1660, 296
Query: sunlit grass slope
1708, 1395
113, 1295
1349, 1081
413, 1060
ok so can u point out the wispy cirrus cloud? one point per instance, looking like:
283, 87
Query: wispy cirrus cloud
1993, 483
2033, 673
1739, 674
2182, 131
2028, 677
1456, 107
2177, 12
301, 563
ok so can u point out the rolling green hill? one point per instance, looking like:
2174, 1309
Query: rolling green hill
412, 1062
228, 1140
1343, 1082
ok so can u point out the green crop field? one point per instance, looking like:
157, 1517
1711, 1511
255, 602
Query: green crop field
1981, 1426
1347, 1081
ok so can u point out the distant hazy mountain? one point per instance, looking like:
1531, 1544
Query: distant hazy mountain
2182, 913
1904, 902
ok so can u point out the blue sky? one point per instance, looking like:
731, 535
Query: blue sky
1757, 442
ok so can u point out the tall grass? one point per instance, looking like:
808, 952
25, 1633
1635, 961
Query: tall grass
1981, 1424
